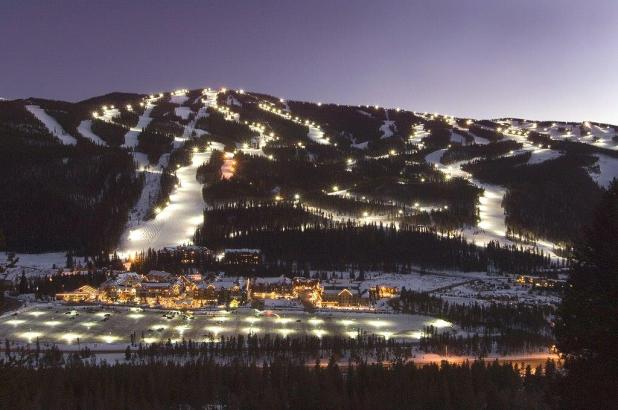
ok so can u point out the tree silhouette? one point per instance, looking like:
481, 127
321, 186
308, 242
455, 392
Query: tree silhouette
587, 325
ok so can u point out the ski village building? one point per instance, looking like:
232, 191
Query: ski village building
165, 290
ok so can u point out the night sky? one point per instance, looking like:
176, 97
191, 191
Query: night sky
539, 59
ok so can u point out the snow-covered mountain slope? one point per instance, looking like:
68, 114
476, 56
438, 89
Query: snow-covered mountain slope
389, 166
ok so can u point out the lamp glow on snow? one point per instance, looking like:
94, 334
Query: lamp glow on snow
319, 332
36, 313
109, 338
314, 321
440, 323
285, 332
30, 336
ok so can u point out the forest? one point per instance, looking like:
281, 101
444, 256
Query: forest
553, 199
287, 233
77, 197
280, 384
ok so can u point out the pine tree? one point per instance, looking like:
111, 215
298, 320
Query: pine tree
587, 325
23, 283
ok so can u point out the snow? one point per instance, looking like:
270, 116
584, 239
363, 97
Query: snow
608, 170
176, 223
491, 225
50, 323
456, 138
130, 138
52, 125
317, 135
142, 160
38, 260
227, 168
231, 100
387, 129
211, 97
147, 197
178, 99
85, 129
542, 155
183, 112
109, 114
412, 281
360, 145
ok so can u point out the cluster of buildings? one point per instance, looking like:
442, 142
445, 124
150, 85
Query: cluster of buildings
539, 282
165, 290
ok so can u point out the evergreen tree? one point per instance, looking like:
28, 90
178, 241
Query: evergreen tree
23, 283
587, 325
69, 263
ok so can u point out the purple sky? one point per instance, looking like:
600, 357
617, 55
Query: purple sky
540, 59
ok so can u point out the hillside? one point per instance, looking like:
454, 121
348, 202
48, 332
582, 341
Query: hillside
129, 172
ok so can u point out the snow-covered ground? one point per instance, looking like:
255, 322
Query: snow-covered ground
608, 167
130, 138
52, 125
176, 223
387, 129
34, 264
317, 135
178, 99
150, 191
88, 326
491, 226
183, 112
85, 129
360, 145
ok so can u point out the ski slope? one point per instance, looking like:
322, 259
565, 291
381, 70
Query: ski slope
130, 138
85, 129
491, 225
52, 125
176, 223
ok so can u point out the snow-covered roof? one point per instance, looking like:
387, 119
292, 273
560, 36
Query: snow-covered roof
156, 285
160, 275
225, 282
282, 280
242, 250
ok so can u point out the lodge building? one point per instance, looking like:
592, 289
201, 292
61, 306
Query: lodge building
163, 289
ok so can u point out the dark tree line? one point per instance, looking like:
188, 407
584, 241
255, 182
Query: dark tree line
58, 197
488, 134
493, 317
294, 235
281, 383
587, 325
553, 199
109, 132
467, 152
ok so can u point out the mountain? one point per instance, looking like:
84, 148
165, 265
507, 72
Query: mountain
127, 172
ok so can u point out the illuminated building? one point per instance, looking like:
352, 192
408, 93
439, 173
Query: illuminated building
242, 256
83, 294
